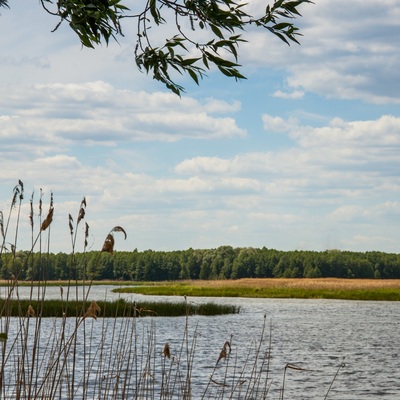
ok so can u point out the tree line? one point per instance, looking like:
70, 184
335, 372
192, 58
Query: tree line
224, 262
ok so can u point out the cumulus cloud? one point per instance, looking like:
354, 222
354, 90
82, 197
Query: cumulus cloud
345, 172
349, 51
203, 171
278, 124
340, 162
97, 112
296, 94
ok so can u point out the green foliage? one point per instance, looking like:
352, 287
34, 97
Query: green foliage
219, 22
93, 21
208, 32
223, 262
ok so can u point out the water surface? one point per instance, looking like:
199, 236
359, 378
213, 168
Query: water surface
318, 336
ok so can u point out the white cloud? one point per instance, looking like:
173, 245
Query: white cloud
59, 114
348, 51
58, 161
200, 171
278, 124
296, 94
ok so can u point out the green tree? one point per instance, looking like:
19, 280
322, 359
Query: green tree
106, 266
311, 270
205, 33
193, 260
205, 269
280, 268
122, 266
61, 267
151, 267
244, 265
17, 265
266, 262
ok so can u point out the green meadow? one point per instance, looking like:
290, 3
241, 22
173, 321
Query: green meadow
275, 288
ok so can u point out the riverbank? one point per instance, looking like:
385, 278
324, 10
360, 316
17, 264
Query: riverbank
322, 288
302, 288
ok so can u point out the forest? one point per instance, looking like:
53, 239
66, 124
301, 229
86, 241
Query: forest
224, 262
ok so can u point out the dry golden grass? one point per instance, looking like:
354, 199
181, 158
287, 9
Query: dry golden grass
260, 283
302, 283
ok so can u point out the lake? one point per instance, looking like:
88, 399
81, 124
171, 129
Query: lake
359, 340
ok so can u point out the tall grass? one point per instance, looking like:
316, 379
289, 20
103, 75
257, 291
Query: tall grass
116, 308
274, 288
98, 350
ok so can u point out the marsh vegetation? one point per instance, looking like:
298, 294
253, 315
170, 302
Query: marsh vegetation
95, 350
344, 289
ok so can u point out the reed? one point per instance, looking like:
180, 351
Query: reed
117, 308
75, 347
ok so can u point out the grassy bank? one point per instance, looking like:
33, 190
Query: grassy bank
119, 308
345, 289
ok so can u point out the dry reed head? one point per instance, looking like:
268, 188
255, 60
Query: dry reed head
40, 202
86, 233
93, 311
119, 229
49, 219
30, 312
18, 190
223, 354
21, 185
2, 225
108, 245
71, 224
166, 352
31, 211
82, 211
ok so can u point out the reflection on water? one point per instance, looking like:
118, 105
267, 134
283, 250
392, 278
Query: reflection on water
314, 335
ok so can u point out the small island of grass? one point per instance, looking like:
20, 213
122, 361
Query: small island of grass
111, 309
322, 288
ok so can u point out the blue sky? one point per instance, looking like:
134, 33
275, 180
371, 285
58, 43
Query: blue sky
303, 155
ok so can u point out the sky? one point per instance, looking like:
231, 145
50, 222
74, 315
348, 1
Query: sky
302, 155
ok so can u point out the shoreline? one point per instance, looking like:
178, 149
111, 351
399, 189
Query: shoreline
302, 288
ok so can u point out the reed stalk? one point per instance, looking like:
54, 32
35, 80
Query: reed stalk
101, 350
